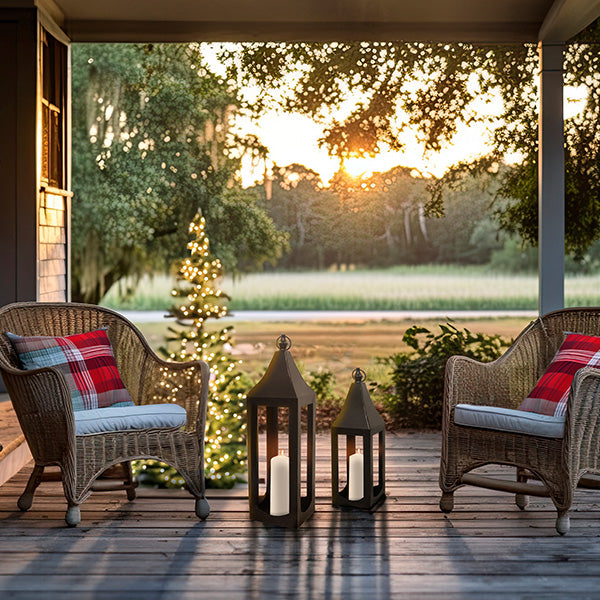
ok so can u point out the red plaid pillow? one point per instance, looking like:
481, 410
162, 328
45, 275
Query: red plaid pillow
86, 361
550, 395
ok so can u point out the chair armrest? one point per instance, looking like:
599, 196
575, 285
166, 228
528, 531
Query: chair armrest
582, 426
44, 408
184, 383
468, 381
505, 382
152, 380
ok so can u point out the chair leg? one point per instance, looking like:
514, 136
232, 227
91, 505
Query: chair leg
563, 523
447, 502
73, 515
202, 508
26, 500
194, 480
130, 484
69, 482
561, 494
521, 500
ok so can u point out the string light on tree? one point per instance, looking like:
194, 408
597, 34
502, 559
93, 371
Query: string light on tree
199, 299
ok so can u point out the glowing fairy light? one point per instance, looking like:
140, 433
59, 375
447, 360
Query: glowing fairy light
198, 277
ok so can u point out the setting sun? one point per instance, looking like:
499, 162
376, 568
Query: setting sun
294, 138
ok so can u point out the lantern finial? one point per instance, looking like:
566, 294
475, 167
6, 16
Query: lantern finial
359, 375
284, 342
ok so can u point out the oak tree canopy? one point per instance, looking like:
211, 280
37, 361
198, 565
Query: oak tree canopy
428, 89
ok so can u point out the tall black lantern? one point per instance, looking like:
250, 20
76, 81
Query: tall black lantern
359, 419
289, 496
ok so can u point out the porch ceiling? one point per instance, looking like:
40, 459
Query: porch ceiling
484, 21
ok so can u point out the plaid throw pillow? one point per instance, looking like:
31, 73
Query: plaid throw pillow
550, 395
87, 362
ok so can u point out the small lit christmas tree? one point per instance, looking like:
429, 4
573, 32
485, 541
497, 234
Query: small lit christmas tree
201, 299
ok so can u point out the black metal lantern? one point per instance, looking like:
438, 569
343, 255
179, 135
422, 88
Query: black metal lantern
359, 419
289, 495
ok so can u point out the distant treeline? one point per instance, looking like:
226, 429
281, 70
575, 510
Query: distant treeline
380, 219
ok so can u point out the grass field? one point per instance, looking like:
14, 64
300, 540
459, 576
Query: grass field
397, 288
338, 346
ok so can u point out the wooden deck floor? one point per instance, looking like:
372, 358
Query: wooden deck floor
155, 548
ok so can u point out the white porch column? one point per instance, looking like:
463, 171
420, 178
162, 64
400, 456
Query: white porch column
551, 179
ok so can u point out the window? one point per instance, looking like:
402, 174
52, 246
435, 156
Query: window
54, 60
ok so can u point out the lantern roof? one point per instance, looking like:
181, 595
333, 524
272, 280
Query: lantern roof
358, 414
282, 380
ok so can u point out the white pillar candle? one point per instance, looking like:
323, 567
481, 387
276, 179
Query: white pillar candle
356, 482
280, 485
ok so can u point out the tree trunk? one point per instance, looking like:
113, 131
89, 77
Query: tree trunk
301, 231
407, 232
93, 294
423, 222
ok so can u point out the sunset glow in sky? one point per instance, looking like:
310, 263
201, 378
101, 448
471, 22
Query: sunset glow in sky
293, 138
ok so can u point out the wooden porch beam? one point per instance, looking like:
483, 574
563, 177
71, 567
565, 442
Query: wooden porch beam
303, 31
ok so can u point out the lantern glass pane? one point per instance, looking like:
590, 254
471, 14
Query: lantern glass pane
342, 462
273, 425
355, 443
262, 450
303, 441
376, 475
283, 421
381, 458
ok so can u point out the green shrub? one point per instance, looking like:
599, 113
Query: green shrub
416, 396
322, 382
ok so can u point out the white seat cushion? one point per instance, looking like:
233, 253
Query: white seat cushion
506, 419
123, 418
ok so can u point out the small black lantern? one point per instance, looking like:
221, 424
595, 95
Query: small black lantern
281, 390
359, 419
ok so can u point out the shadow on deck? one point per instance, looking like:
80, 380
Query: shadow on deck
155, 547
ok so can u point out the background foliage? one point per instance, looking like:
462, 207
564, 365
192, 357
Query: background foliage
416, 395
152, 146
153, 142
380, 220
427, 90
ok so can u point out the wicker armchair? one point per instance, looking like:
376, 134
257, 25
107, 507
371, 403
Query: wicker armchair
45, 412
561, 464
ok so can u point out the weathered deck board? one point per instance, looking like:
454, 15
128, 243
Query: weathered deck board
155, 547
